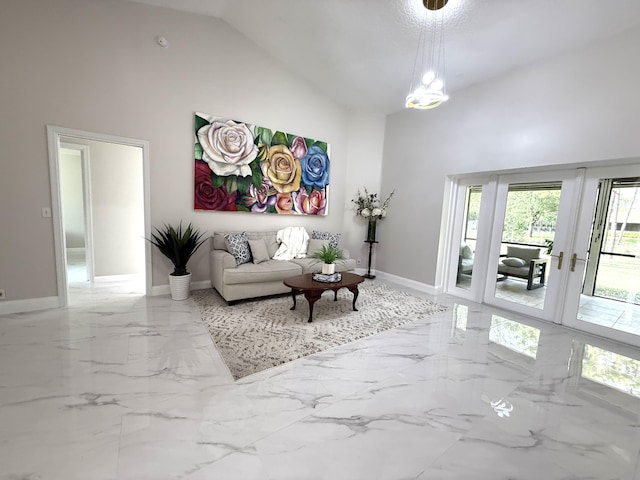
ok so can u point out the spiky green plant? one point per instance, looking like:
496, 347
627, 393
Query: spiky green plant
328, 254
178, 245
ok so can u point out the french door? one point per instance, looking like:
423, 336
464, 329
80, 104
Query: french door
603, 289
560, 246
532, 229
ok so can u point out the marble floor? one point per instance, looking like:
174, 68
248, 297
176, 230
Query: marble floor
599, 310
122, 386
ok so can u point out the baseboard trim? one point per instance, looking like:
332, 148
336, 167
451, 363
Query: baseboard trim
157, 290
406, 282
7, 307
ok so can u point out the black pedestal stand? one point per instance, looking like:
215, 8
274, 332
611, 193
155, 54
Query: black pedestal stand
368, 274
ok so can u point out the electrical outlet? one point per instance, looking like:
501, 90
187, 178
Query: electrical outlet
358, 261
3, 295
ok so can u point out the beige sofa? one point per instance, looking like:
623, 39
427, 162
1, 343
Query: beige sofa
248, 280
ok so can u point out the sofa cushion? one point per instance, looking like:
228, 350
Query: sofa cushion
525, 253
259, 250
514, 262
466, 265
268, 271
315, 245
312, 265
269, 238
220, 241
238, 246
333, 238
517, 271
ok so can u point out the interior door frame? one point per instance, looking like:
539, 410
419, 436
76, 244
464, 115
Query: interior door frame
85, 156
54, 135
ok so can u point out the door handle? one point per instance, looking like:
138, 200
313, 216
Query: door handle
560, 257
574, 259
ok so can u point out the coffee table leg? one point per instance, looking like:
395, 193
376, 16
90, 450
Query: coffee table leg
293, 294
312, 297
354, 290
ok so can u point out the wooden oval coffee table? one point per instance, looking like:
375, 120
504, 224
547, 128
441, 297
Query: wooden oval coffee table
313, 290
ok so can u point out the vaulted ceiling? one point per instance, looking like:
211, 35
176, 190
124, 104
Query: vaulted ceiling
361, 52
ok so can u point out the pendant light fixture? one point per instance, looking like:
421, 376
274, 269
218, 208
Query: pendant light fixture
427, 88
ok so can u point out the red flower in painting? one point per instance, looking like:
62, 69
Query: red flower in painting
208, 197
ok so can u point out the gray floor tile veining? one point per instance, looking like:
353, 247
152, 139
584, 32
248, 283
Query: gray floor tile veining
121, 386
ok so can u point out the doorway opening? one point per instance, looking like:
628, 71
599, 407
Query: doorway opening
100, 210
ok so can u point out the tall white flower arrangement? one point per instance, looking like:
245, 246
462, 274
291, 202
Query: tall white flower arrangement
368, 205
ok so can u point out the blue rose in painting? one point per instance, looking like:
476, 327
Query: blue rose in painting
315, 167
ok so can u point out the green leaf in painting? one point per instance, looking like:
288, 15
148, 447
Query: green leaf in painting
216, 180
231, 184
256, 174
198, 151
271, 209
279, 138
200, 122
243, 183
242, 208
263, 153
321, 145
309, 141
263, 135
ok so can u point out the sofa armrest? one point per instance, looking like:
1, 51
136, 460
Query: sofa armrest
219, 260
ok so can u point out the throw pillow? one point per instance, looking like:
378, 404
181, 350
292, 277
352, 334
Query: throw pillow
514, 262
333, 238
238, 246
466, 252
315, 245
259, 250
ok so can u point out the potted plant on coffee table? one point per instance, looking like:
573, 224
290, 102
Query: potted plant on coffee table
178, 245
328, 254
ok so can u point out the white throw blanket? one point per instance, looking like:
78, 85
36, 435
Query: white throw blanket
293, 243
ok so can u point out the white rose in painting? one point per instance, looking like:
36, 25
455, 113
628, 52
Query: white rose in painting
376, 212
228, 148
365, 212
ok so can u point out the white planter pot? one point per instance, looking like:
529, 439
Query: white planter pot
180, 286
328, 268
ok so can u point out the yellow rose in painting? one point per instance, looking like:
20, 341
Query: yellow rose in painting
282, 169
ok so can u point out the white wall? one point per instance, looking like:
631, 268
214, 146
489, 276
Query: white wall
94, 65
72, 197
577, 108
365, 145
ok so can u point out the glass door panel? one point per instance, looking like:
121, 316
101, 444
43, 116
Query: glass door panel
531, 230
469, 237
528, 232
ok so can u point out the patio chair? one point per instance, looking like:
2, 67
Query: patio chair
525, 263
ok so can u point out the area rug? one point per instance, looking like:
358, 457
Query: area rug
255, 335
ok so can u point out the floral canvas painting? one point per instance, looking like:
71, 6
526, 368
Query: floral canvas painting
241, 167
